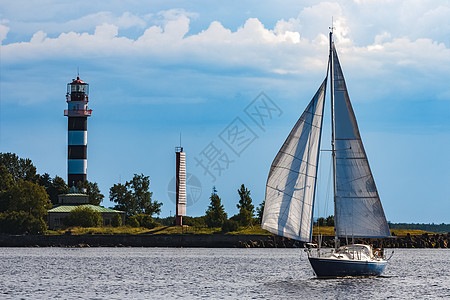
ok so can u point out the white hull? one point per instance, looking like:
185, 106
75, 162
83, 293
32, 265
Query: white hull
350, 260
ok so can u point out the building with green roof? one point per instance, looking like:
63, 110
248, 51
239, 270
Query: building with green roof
73, 199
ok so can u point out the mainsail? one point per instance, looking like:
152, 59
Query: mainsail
292, 178
358, 210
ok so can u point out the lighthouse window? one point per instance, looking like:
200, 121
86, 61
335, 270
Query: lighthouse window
78, 88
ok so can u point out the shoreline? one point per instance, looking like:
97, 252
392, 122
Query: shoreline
209, 241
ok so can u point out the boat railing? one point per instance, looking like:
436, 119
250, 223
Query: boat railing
320, 252
354, 252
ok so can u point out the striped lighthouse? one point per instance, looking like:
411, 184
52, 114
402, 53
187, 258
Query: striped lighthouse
180, 185
77, 112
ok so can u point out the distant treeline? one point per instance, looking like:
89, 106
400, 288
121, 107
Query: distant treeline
438, 228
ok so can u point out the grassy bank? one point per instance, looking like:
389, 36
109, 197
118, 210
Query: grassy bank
255, 230
156, 230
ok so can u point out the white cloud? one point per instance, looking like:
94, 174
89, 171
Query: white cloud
292, 25
165, 41
38, 37
215, 33
3, 32
317, 18
381, 38
106, 31
295, 46
85, 23
126, 20
176, 29
174, 14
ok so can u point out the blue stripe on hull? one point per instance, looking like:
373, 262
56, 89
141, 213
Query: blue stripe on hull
340, 268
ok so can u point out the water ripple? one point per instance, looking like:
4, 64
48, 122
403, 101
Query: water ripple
162, 273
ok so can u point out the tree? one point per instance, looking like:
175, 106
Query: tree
170, 221
29, 197
19, 168
215, 214
230, 225
246, 208
53, 187
133, 222
116, 220
6, 182
23, 207
134, 197
45, 180
146, 221
83, 216
193, 221
17, 222
320, 221
329, 221
58, 187
119, 194
260, 211
23, 202
92, 190
140, 186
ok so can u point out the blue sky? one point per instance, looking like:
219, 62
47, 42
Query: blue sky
160, 68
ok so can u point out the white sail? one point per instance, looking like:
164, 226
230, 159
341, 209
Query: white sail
290, 188
358, 210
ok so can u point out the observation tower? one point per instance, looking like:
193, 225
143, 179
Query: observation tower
77, 112
180, 185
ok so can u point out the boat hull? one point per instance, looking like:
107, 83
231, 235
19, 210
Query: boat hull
329, 267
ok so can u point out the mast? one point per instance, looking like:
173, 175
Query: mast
333, 150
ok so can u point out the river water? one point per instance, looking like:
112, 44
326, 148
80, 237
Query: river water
164, 273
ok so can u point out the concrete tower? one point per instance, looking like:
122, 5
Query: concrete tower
77, 112
180, 185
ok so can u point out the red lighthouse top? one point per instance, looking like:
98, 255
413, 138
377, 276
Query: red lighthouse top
77, 99
77, 81
78, 89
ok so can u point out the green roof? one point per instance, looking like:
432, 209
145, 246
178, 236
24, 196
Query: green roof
68, 208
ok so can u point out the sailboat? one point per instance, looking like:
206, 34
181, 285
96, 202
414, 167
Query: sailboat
291, 185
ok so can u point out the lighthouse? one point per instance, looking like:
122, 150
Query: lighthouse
180, 185
77, 113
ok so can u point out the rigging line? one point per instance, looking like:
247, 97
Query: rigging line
358, 178
309, 124
284, 193
336, 149
314, 114
293, 156
310, 113
328, 195
347, 139
298, 172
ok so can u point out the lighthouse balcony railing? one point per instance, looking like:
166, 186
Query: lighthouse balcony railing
77, 97
77, 112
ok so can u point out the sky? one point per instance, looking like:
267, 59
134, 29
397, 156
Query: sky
231, 78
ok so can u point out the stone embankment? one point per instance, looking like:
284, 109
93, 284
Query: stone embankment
208, 241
